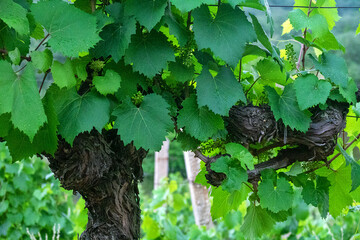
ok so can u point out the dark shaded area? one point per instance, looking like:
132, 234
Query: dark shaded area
106, 174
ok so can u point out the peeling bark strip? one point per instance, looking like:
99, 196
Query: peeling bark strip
106, 174
251, 125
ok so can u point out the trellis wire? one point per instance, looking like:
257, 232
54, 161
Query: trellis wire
283, 6
286, 6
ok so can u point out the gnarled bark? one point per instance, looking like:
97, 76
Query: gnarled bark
106, 174
252, 124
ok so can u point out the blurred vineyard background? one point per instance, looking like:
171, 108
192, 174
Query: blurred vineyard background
32, 202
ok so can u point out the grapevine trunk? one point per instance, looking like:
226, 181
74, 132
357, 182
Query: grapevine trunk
106, 174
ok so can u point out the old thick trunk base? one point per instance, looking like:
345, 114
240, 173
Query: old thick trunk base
106, 174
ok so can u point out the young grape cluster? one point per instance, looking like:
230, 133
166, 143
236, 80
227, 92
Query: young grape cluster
291, 55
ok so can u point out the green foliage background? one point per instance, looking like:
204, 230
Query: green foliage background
149, 68
166, 212
31, 198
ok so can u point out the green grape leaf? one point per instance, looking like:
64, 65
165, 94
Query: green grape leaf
200, 123
261, 35
235, 174
129, 81
200, 177
84, 5
147, 12
187, 142
316, 22
356, 109
151, 228
355, 169
146, 125
224, 201
20, 182
283, 215
19, 145
79, 67
358, 30
45, 140
332, 67
38, 32
107, 84
188, 5
349, 92
5, 124
277, 198
323, 206
42, 60
240, 153
15, 56
328, 42
72, 31
102, 19
78, 114
352, 125
176, 28
24, 3
285, 107
256, 222
316, 195
20, 97
63, 74
336, 96
270, 20
149, 53
31, 216
270, 72
331, 15
14, 16
247, 3
6, 92
219, 93
339, 196
226, 34
10, 39
116, 36
311, 91
269, 174
180, 72
295, 170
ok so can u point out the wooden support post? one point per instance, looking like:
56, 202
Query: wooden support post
199, 193
161, 163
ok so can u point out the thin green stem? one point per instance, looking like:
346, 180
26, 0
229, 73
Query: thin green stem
38, 46
42, 41
188, 23
21, 68
42, 83
303, 50
251, 86
248, 186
